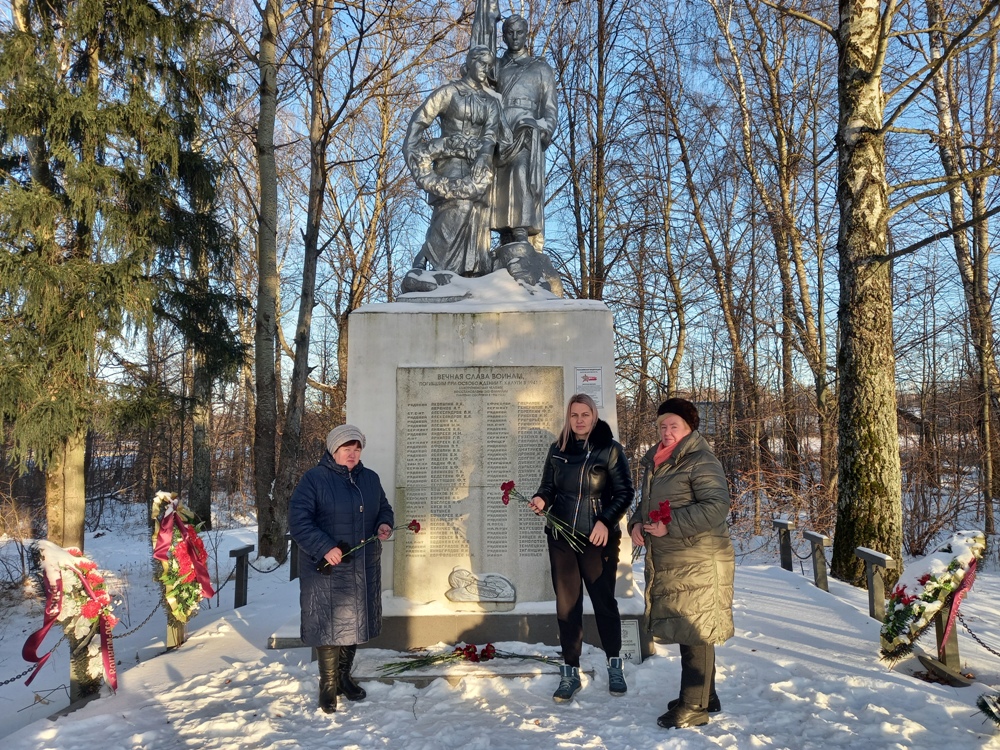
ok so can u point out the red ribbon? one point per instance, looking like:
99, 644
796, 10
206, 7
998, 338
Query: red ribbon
107, 646
165, 537
956, 598
165, 540
108, 652
53, 606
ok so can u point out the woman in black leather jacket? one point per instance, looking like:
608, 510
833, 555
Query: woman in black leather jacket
586, 482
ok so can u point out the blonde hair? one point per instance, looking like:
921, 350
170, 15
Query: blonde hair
567, 431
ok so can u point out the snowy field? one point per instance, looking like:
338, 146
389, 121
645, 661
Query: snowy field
801, 673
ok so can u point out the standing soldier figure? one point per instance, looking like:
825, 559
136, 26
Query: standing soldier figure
528, 90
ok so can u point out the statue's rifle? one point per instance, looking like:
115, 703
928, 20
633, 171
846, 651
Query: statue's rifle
484, 29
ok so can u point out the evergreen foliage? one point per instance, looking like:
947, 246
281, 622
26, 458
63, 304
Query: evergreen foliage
106, 201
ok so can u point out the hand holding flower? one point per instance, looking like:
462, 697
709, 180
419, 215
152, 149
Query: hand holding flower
659, 519
341, 551
539, 506
655, 529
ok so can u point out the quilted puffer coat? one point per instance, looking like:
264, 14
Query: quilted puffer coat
689, 572
332, 505
584, 484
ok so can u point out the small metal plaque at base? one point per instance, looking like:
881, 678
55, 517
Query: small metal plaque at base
631, 650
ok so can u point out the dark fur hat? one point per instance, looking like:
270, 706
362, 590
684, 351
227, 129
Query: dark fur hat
682, 408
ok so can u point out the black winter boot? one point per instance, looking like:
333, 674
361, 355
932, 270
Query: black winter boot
683, 715
714, 704
329, 661
345, 683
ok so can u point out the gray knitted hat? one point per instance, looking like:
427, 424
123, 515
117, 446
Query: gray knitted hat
345, 433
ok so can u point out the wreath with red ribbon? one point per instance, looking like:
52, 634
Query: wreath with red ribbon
929, 584
183, 559
76, 595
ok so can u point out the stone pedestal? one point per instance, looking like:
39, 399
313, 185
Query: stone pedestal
456, 398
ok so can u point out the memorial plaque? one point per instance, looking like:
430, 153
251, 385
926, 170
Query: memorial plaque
631, 649
461, 433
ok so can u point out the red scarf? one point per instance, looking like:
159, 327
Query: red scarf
662, 454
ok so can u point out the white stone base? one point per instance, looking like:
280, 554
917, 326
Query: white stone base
387, 342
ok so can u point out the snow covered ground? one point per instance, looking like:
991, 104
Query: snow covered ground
802, 672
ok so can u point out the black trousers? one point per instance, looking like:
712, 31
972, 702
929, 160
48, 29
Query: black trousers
597, 567
697, 674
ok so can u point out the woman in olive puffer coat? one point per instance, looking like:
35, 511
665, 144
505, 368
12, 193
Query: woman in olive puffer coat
586, 483
690, 562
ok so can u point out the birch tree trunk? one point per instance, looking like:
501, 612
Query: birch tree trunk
973, 262
869, 494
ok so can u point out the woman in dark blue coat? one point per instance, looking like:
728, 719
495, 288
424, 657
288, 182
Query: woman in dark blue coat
336, 505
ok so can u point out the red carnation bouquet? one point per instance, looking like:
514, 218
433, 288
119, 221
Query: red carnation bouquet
468, 652
661, 514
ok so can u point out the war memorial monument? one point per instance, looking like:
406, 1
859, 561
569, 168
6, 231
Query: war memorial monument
461, 384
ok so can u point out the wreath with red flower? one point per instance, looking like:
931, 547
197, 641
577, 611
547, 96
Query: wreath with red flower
182, 557
928, 584
77, 597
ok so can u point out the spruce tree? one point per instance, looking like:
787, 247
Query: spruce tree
97, 104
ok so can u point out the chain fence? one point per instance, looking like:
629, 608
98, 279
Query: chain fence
975, 637
142, 624
276, 567
17, 677
225, 582
148, 618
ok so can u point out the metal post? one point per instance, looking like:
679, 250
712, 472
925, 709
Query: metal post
875, 564
242, 556
784, 527
818, 541
176, 634
293, 558
947, 650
